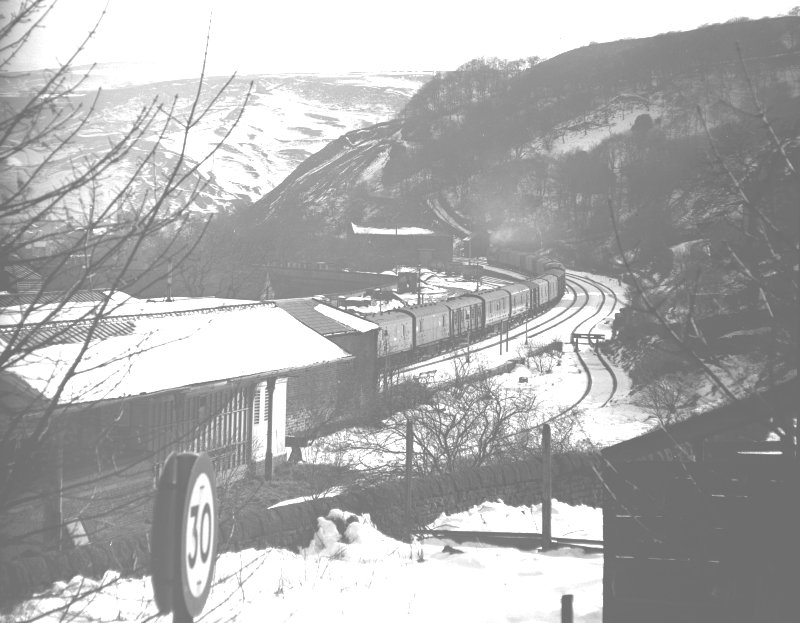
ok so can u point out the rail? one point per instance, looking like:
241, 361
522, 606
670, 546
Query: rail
517, 540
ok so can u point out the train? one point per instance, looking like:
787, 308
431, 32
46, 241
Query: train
412, 333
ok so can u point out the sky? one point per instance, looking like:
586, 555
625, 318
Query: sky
325, 36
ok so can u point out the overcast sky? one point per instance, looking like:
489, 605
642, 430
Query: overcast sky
272, 36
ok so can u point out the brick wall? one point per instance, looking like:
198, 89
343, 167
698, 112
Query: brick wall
358, 394
293, 526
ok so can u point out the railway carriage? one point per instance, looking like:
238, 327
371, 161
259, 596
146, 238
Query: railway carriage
396, 335
552, 286
431, 325
466, 316
541, 288
496, 307
412, 332
520, 295
557, 269
533, 286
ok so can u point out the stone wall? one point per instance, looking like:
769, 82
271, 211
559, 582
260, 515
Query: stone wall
293, 526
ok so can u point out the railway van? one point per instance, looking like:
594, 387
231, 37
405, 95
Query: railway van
552, 286
520, 295
431, 324
396, 333
466, 316
496, 307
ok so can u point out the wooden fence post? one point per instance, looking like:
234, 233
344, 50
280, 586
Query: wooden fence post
409, 460
53, 502
268, 473
547, 487
566, 608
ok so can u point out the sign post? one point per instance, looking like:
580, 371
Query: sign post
184, 536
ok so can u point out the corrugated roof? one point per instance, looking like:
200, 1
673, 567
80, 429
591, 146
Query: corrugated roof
161, 352
324, 319
48, 298
77, 332
85, 304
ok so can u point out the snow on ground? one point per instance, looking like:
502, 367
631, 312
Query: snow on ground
575, 522
603, 422
616, 118
351, 572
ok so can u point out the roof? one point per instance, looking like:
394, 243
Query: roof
13, 299
754, 409
160, 352
324, 319
392, 231
81, 305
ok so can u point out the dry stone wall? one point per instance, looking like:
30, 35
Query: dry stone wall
575, 481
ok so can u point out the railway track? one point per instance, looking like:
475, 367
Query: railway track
578, 281
577, 298
533, 329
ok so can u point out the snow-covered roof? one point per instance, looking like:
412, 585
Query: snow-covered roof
158, 352
350, 320
52, 307
392, 231
323, 318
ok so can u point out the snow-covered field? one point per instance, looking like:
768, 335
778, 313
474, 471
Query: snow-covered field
362, 575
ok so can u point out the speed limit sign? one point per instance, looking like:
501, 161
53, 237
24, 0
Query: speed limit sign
184, 535
199, 530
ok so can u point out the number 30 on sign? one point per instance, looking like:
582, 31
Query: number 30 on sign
184, 535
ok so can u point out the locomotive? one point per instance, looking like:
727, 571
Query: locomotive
412, 333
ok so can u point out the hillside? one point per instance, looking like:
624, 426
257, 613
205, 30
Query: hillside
532, 156
287, 118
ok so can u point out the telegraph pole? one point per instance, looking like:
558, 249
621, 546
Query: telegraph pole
419, 285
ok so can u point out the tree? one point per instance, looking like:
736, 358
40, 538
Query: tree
749, 254
471, 422
84, 222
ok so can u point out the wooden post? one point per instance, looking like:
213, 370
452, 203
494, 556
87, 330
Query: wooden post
270, 410
501, 337
566, 608
409, 461
419, 285
547, 488
53, 501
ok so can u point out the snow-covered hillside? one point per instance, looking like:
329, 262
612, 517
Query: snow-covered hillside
287, 118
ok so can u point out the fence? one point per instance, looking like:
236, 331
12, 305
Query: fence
705, 541
292, 526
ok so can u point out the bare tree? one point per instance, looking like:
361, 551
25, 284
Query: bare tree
663, 399
470, 422
541, 357
84, 222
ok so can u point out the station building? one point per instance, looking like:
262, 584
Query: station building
380, 248
205, 375
341, 392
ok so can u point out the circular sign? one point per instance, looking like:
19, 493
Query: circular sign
198, 550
